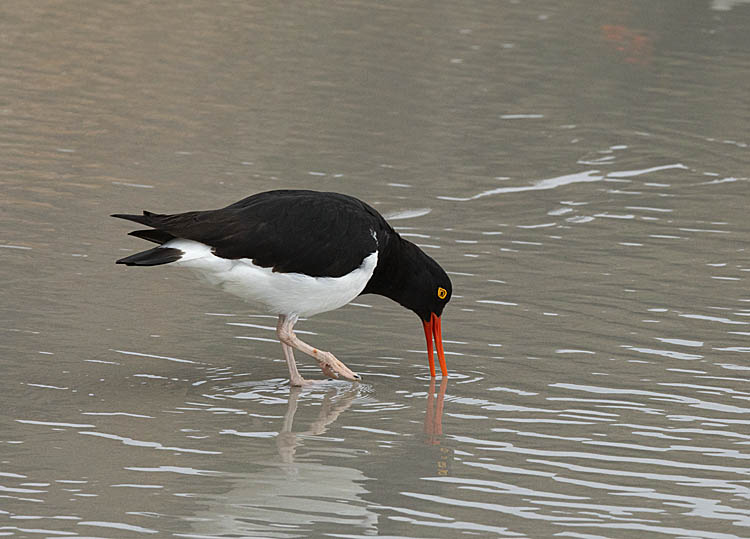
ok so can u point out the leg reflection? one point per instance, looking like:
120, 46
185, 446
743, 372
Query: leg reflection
333, 406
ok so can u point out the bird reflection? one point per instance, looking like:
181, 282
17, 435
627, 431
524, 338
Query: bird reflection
292, 495
332, 407
287, 496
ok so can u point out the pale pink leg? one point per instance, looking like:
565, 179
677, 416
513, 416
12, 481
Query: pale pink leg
331, 367
295, 378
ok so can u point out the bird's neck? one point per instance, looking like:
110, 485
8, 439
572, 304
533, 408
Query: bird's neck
398, 265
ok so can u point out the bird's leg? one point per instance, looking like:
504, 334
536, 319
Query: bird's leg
295, 378
331, 367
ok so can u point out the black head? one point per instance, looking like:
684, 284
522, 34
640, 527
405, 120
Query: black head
410, 277
429, 290
426, 290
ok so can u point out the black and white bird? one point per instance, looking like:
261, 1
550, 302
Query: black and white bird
298, 253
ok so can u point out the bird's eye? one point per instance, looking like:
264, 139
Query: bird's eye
442, 292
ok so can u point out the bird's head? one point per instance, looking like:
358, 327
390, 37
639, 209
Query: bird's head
429, 291
407, 275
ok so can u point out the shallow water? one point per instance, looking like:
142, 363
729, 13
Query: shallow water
581, 170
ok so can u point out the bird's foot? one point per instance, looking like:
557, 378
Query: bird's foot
333, 368
301, 382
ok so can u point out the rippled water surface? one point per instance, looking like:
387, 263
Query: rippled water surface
580, 169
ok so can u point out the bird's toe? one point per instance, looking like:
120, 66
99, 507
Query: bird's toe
328, 371
333, 368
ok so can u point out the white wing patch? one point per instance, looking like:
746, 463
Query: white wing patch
279, 293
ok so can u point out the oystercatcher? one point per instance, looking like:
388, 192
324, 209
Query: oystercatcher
298, 253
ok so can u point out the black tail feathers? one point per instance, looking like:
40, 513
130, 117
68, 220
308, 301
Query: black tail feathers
153, 257
145, 219
151, 234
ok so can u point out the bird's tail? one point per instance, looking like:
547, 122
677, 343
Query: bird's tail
153, 257
149, 219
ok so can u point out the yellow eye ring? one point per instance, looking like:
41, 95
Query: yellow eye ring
442, 292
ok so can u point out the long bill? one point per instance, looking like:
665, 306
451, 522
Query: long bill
432, 329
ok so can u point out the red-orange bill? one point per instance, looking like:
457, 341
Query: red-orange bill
432, 330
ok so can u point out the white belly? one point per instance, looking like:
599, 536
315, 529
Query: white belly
279, 293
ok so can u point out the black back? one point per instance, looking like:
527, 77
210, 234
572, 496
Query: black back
315, 233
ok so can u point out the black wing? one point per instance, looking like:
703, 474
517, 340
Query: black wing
318, 234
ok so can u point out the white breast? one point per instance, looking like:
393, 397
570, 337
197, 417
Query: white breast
279, 293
